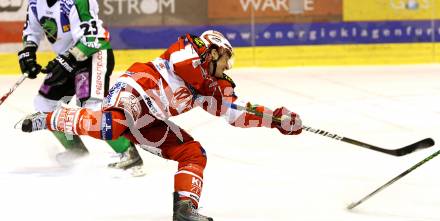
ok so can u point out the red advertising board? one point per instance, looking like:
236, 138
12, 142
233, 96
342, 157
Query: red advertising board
11, 31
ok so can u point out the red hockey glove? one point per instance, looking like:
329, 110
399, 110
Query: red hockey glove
290, 123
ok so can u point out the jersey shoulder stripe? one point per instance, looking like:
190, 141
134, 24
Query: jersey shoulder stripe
66, 6
33, 7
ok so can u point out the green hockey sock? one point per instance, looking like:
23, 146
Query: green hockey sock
73, 142
120, 145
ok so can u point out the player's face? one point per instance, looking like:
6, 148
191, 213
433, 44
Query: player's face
223, 64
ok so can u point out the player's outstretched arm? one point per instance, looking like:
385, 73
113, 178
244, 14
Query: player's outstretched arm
289, 123
218, 98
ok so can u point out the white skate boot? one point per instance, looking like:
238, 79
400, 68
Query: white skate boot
32, 122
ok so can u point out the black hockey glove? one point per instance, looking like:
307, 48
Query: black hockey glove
28, 61
60, 69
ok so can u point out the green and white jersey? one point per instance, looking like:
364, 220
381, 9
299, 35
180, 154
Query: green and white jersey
66, 24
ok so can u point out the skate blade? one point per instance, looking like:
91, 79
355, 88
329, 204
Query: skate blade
69, 158
137, 171
19, 124
123, 174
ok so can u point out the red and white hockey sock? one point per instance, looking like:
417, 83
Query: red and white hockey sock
64, 119
188, 182
105, 125
75, 120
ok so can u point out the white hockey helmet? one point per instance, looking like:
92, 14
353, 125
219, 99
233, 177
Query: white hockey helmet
215, 39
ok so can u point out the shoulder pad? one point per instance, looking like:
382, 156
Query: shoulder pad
229, 79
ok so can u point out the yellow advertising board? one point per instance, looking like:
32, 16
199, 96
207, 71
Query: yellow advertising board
388, 10
282, 56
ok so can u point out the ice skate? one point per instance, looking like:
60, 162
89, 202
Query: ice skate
32, 122
183, 210
130, 160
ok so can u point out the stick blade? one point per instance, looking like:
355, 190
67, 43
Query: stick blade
351, 206
425, 143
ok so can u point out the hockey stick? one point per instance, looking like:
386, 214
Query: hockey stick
353, 205
22, 78
425, 143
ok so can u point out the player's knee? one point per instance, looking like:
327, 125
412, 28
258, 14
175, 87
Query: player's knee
201, 158
43, 104
193, 154
90, 103
112, 125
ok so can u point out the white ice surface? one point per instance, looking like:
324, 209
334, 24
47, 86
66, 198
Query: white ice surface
252, 174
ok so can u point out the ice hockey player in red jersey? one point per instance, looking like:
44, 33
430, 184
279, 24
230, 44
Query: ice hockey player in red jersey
190, 73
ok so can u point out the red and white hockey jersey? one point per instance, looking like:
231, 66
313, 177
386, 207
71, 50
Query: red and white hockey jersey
174, 83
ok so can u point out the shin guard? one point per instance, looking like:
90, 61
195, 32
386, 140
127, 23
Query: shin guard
188, 183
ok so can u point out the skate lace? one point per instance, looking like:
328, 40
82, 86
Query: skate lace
125, 155
39, 122
118, 156
195, 212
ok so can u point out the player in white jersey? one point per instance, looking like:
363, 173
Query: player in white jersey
82, 67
